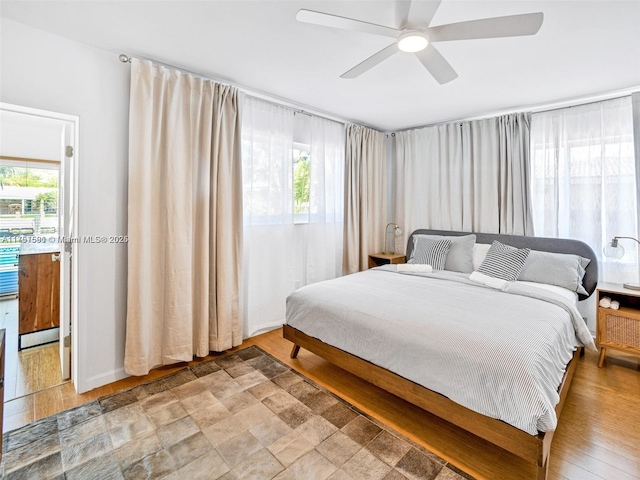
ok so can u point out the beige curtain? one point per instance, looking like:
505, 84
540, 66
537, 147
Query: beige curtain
470, 176
496, 175
185, 218
426, 161
365, 196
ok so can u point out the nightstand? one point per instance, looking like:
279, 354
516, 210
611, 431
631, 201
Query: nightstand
618, 329
377, 259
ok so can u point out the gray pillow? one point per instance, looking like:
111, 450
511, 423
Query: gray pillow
503, 261
562, 269
460, 256
430, 252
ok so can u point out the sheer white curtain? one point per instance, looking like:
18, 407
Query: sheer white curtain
322, 257
285, 250
185, 218
583, 178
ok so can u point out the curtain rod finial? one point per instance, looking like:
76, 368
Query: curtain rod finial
124, 58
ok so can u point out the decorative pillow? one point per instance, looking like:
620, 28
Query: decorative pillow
503, 261
460, 256
430, 252
562, 269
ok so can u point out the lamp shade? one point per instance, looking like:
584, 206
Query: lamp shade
397, 231
613, 249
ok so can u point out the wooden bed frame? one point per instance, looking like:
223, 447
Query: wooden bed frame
532, 448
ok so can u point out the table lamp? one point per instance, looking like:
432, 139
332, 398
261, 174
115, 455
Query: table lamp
397, 231
614, 250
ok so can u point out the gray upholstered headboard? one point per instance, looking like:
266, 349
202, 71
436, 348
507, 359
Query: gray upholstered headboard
554, 245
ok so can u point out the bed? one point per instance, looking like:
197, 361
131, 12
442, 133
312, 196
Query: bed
495, 363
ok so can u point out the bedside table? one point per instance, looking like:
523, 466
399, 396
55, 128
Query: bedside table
377, 259
618, 329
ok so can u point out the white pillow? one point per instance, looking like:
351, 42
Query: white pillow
563, 292
479, 252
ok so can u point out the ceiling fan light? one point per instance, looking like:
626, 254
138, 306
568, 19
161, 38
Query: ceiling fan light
413, 42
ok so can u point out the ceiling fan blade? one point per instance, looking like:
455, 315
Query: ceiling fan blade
438, 67
401, 11
328, 20
510, 26
371, 62
422, 12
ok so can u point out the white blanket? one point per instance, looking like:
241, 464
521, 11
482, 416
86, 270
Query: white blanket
414, 267
502, 354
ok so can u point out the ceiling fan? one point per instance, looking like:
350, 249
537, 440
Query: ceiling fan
415, 35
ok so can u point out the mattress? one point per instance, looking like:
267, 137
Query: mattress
501, 354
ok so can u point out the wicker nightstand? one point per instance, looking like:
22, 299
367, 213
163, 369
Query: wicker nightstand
377, 259
618, 329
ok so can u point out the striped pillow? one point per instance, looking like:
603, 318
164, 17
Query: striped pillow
430, 252
503, 261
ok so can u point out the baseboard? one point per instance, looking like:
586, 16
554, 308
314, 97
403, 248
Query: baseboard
41, 337
96, 381
265, 329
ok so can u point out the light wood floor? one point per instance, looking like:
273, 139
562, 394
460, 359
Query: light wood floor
32, 369
598, 436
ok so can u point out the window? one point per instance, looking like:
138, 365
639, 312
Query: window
583, 179
28, 199
293, 200
301, 182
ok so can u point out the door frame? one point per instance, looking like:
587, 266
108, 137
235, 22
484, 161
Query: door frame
75, 121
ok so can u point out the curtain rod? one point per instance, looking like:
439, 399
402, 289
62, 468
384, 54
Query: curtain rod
302, 109
273, 99
548, 107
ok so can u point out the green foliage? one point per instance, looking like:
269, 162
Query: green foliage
50, 200
6, 172
301, 183
25, 177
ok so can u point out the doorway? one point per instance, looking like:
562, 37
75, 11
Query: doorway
37, 227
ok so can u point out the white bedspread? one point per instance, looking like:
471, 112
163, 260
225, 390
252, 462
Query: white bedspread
502, 354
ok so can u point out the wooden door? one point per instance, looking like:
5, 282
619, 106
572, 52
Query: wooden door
39, 292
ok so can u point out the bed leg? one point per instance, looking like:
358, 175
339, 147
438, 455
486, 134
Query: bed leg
543, 470
295, 350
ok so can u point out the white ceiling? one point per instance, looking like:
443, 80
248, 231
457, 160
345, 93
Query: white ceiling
584, 48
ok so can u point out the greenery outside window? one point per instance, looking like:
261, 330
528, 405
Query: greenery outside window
301, 182
28, 199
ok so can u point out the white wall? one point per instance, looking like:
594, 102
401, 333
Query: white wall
48, 72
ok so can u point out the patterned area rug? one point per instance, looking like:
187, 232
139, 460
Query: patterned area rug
240, 416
